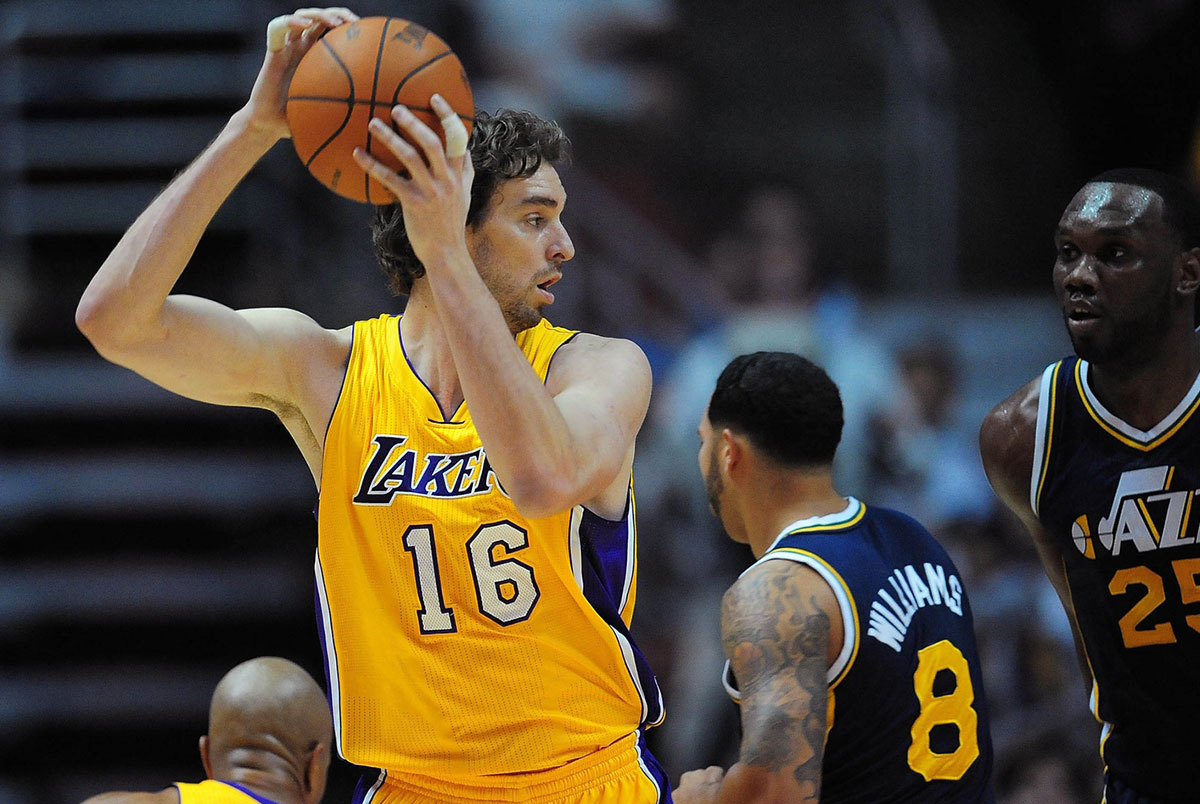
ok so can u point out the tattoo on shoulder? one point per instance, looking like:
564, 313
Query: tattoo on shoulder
777, 637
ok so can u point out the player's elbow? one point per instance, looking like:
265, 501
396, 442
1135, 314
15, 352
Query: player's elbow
95, 318
95, 323
102, 334
104, 323
539, 494
539, 500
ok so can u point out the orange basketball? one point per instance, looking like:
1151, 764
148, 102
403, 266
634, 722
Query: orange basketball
360, 70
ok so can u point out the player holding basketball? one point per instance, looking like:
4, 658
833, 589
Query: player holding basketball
476, 556
850, 642
1099, 458
269, 741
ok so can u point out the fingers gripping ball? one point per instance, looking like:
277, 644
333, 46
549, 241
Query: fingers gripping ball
277, 33
361, 70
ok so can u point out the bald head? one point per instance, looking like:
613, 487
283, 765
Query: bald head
267, 705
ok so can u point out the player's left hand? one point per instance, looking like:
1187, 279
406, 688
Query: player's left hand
289, 37
699, 786
436, 194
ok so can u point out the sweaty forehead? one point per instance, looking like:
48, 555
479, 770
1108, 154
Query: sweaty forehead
1111, 204
543, 187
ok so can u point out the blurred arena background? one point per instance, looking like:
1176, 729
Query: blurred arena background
871, 182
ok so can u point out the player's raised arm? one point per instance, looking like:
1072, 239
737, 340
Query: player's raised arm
1006, 446
553, 445
781, 625
193, 346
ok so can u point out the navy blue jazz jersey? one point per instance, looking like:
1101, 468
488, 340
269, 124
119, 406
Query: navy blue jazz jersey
907, 715
1120, 503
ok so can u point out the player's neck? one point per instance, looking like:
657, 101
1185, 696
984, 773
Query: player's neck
1142, 392
785, 498
428, 351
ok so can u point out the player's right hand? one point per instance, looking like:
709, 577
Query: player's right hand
289, 37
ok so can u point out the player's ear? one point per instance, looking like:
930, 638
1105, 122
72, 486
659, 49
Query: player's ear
1189, 273
732, 450
316, 772
204, 758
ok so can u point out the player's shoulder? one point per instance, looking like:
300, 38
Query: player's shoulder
619, 348
770, 585
1008, 443
1012, 421
772, 605
892, 520
597, 357
287, 326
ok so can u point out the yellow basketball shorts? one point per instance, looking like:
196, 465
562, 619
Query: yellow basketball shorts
623, 773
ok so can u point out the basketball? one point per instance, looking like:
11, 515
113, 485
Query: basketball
360, 70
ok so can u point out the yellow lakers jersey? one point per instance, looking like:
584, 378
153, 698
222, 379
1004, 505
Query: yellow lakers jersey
213, 792
462, 639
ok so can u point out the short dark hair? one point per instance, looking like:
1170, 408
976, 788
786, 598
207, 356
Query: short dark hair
505, 145
1181, 204
785, 404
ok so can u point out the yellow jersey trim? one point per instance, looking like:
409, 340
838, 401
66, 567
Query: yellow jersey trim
1137, 439
849, 523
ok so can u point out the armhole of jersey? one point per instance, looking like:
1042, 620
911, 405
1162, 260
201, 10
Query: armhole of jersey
554, 354
1043, 434
727, 682
575, 546
629, 587
845, 658
337, 403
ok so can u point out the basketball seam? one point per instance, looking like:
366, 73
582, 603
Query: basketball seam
419, 68
371, 110
416, 70
349, 104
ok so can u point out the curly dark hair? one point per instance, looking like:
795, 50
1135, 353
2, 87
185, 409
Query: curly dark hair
785, 404
505, 145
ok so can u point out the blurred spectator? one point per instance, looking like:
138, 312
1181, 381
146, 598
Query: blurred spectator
1048, 768
768, 299
772, 300
921, 457
567, 57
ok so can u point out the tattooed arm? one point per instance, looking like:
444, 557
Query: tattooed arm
782, 630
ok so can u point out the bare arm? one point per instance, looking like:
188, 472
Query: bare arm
1006, 445
553, 445
782, 626
192, 346
570, 440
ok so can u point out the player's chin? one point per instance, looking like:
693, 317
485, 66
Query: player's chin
1089, 345
523, 318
